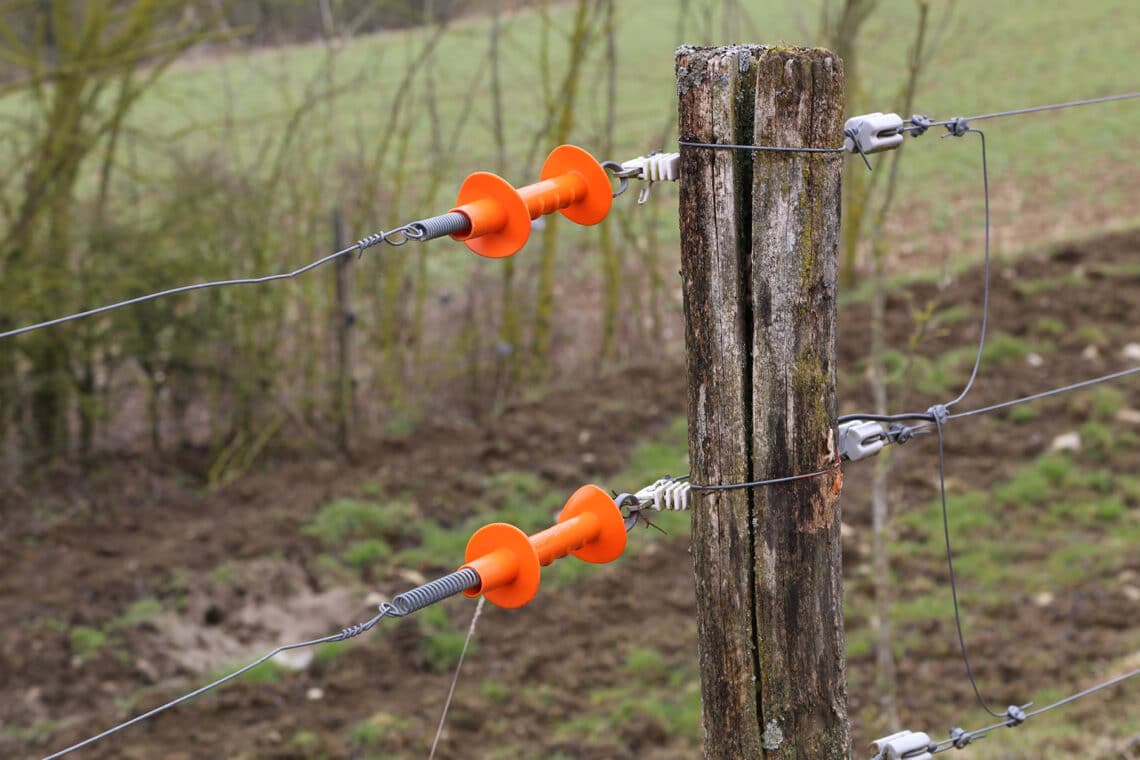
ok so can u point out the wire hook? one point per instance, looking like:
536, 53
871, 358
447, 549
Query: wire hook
620, 173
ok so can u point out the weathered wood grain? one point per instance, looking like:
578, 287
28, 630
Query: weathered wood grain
759, 236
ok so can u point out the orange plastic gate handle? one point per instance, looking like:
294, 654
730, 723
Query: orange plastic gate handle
572, 182
509, 562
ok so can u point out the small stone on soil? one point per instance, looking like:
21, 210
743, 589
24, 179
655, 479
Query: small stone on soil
1128, 416
1066, 442
414, 577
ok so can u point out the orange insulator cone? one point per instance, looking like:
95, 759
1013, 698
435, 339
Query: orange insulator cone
572, 182
509, 562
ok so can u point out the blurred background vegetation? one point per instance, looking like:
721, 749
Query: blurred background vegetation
152, 143
147, 144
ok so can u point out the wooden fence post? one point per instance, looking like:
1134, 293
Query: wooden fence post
759, 239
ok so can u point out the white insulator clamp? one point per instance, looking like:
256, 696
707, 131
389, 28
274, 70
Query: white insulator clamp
873, 133
656, 167
665, 493
860, 439
904, 744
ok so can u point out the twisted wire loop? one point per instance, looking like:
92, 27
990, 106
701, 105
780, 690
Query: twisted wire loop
621, 174
401, 604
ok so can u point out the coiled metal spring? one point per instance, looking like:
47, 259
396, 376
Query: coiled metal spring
434, 227
430, 593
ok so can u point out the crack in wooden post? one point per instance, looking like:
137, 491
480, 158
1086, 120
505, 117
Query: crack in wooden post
759, 238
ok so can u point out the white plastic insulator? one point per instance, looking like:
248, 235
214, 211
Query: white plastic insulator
666, 493
896, 746
860, 439
873, 132
660, 167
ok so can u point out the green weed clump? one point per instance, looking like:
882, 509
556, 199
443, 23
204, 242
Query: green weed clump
495, 692
440, 643
86, 642
1106, 402
138, 613
646, 664
1097, 440
1026, 488
1002, 348
1049, 326
1023, 413
267, 672
308, 743
361, 533
346, 519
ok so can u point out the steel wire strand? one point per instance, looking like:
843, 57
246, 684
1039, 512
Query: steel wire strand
346, 633
943, 409
759, 483
1046, 394
1038, 109
455, 678
759, 148
967, 737
950, 566
985, 275
357, 247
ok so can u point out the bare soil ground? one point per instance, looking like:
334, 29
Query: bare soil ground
235, 575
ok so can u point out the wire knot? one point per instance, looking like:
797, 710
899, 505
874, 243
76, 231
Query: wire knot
900, 434
1015, 715
852, 132
957, 126
960, 737
919, 124
939, 413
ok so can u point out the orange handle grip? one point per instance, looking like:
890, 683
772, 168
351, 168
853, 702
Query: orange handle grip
572, 182
509, 562
562, 538
552, 195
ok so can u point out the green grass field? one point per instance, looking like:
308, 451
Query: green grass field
989, 57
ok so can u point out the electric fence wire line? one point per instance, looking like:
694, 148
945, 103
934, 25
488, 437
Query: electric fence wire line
960, 738
395, 237
673, 492
922, 126
953, 579
761, 148
401, 605
455, 678
958, 128
344, 634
